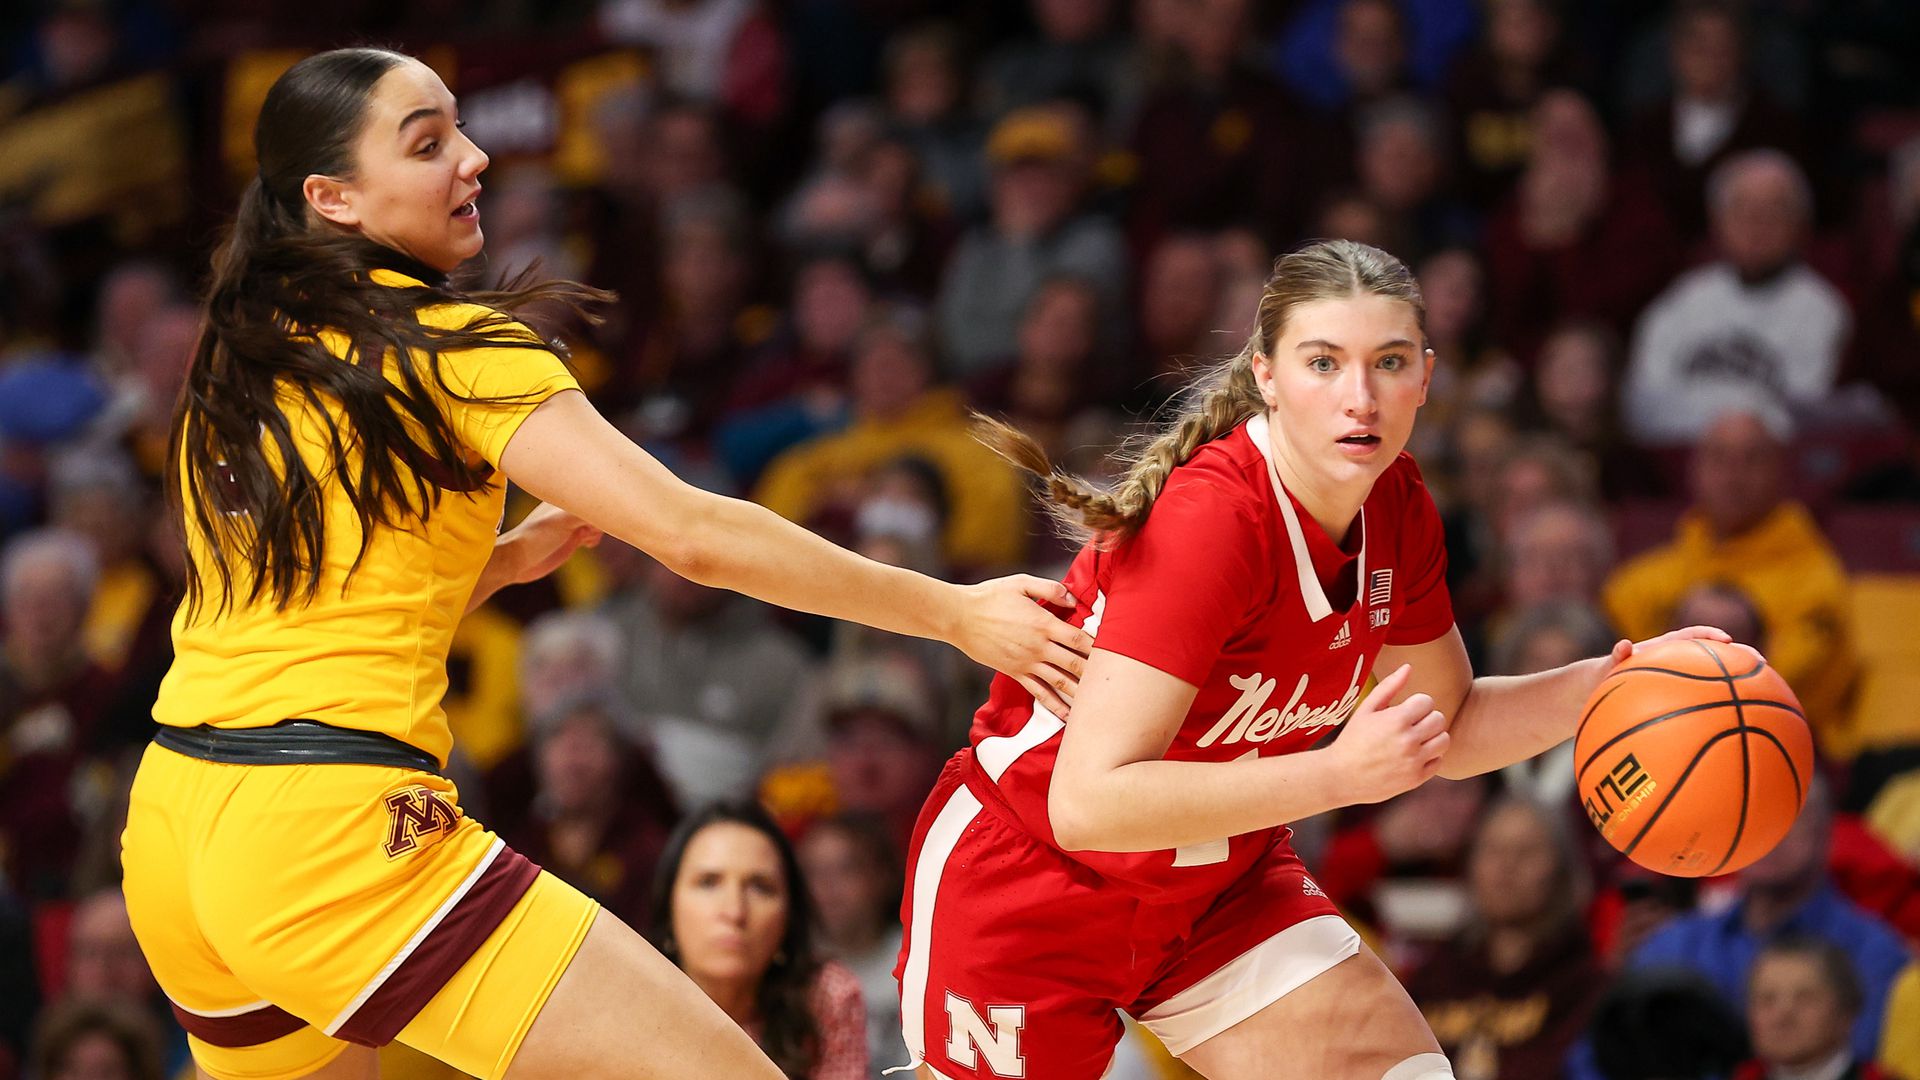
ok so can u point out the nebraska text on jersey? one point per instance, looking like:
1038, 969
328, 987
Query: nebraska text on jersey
1246, 722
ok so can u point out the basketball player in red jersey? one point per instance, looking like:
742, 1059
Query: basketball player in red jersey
1256, 562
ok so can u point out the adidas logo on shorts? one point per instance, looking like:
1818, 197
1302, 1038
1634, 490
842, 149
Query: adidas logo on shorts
1341, 638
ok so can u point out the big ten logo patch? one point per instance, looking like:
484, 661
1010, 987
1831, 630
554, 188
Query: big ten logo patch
1624, 787
413, 814
997, 1036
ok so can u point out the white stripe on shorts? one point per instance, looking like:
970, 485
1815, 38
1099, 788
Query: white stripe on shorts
1250, 982
962, 807
419, 936
219, 1014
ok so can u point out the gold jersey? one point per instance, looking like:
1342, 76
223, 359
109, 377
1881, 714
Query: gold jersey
373, 655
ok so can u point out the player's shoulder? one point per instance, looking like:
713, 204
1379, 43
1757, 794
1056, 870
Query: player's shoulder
466, 315
1228, 474
458, 313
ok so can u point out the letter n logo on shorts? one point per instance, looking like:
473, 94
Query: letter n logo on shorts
998, 1036
414, 813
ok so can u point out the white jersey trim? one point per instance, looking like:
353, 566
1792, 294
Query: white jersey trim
1250, 982
1311, 593
997, 753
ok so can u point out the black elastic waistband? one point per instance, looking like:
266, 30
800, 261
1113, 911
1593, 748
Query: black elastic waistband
295, 742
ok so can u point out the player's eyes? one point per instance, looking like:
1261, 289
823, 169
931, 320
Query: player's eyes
1392, 362
1322, 364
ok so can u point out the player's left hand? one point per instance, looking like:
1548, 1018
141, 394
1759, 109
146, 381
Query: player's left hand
547, 537
1623, 649
1001, 626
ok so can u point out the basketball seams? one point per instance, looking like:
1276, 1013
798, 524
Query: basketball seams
1654, 816
1746, 762
1678, 674
1581, 769
1591, 709
1799, 785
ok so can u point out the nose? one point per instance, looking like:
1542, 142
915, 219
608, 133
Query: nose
733, 907
476, 160
1361, 404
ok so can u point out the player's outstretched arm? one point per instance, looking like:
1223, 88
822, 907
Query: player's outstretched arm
566, 454
1113, 790
1498, 720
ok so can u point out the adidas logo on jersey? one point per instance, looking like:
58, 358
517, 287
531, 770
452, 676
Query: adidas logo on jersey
1341, 638
1309, 888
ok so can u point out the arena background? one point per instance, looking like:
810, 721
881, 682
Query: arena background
1671, 254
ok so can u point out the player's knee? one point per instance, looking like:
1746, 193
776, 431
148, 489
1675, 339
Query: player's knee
1421, 1067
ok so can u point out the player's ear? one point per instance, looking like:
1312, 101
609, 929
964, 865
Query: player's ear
1427, 359
1263, 378
331, 199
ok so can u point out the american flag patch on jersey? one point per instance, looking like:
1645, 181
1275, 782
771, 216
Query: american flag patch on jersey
1380, 586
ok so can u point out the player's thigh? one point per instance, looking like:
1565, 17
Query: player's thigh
623, 1010
1353, 1021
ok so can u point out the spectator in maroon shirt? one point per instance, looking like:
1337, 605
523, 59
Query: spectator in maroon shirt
51, 698
831, 296
1402, 167
1492, 91
677, 367
1182, 295
1510, 995
1713, 113
1217, 139
1052, 378
601, 813
1577, 239
1573, 392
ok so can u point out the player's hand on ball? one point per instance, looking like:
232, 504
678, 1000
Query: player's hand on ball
1386, 748
1623, 649
1002, 627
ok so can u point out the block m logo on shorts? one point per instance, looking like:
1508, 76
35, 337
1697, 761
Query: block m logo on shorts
998, 1036
414, 813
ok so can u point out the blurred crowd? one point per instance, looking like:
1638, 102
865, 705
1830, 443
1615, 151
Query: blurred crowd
1671, 256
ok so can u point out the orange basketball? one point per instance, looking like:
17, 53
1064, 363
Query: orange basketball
1692, 758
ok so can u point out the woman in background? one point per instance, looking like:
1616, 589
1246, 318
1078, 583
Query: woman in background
732, 909
1509, 995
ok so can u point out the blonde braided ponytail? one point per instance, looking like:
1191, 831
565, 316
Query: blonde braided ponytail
1213, 405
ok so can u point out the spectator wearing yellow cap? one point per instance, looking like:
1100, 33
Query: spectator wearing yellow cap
1036, 230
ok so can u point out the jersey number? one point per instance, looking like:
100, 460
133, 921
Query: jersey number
998, 1036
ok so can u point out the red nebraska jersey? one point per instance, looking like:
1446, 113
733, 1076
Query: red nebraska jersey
1232, 587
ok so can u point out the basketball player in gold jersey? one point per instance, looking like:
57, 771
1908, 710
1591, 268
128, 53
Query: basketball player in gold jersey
299, 873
